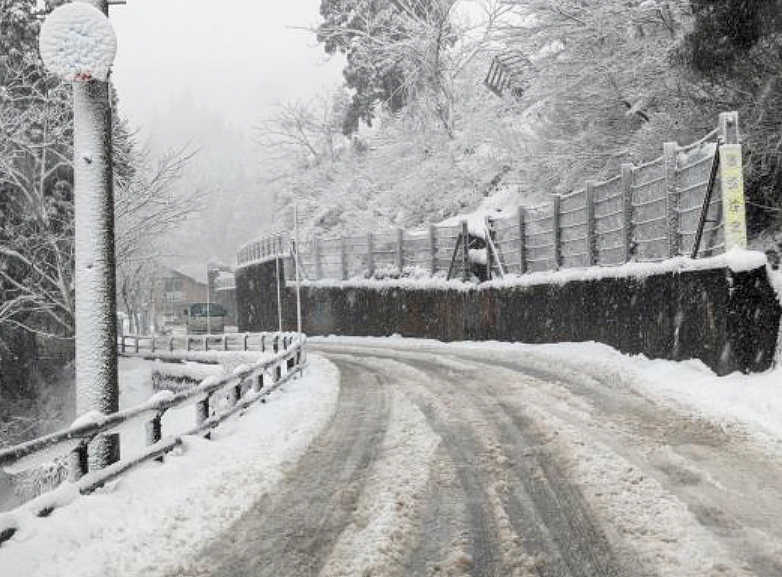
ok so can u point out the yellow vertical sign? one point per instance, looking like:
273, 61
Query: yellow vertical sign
734, 211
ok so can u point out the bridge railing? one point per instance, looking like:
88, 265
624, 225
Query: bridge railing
648, 213
246, 386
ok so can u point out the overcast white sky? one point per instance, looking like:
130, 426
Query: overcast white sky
233, 56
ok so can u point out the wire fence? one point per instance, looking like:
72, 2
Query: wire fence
648, 213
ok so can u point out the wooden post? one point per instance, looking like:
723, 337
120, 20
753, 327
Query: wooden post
78, 463
672, 198
489, 254
343, 258
591, 240
135, 343
316, 255
400, 249
628, 179
433, 248
465, 251
370, 255
522, 216
556, 231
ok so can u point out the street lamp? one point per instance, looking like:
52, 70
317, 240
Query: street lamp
78, 44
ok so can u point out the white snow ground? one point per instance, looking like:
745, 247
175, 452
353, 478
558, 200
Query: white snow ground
752, 402
159, 515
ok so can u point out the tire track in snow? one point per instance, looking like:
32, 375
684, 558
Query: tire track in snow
292, 532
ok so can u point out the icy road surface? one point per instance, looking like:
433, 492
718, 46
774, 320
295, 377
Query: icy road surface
449, 461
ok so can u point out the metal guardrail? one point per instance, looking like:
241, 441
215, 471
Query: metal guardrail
246, 386
647, 213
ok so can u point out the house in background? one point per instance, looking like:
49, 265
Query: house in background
173, 292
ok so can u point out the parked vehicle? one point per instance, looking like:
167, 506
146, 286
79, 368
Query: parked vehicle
203, 318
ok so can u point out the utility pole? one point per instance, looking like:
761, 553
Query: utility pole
97, 387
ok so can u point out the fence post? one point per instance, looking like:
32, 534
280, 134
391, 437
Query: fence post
628, 179
672, 198
135, 342
154, 348
465, 251
370, 255
433, 248
400, 249
258, 383
591, 240
556, 231
489, 254
244, 342
343, 257
171, 344
187, 345
521, 215
318, 263
122, 344
225, 342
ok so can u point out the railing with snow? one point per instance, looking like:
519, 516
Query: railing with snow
215, 400
650, 212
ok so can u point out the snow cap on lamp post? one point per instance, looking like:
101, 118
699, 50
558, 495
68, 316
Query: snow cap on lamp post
78, 43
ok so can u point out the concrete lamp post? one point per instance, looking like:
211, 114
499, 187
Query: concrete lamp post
78, 44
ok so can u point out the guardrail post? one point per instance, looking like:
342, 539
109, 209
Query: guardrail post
154, 347
316, 255
154, 430
672, 198
135, 343
258, 383
225, 342
591, 240
206, 343
202, 413
187, 345
556, 230
433, 248
78, 463
400, 250
236, 394
522, 216
628, 179
278, 372
370, 255
276, 343
343, 258
171, 344
465, 251
263, 342
244, 342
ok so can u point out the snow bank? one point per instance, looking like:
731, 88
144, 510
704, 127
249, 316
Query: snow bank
78, 43
160, 515
735, 260
750, 402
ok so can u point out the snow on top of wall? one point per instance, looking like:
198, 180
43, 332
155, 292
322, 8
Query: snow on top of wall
735, 260
78, 43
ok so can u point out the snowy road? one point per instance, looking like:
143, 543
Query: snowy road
459, 462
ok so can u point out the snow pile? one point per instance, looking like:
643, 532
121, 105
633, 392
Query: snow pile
78, 43
157, 516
